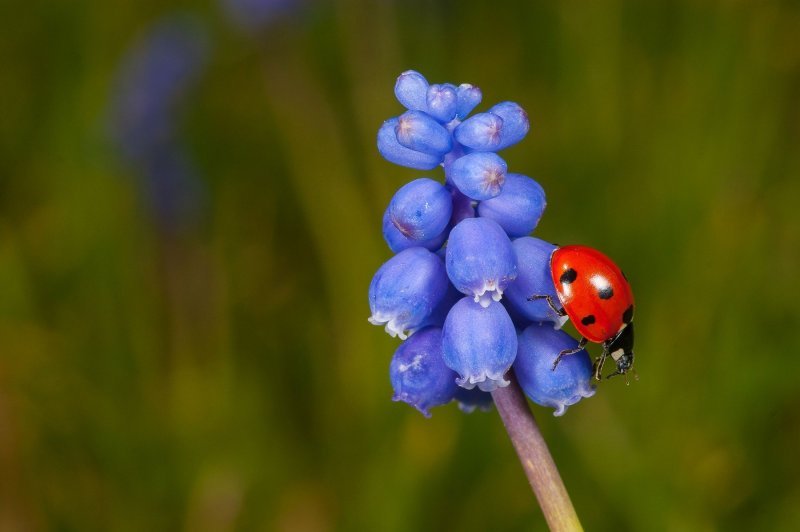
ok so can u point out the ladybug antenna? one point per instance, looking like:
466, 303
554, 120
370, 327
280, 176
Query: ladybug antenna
627, 380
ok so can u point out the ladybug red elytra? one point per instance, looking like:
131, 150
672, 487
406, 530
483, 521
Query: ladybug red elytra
596, 296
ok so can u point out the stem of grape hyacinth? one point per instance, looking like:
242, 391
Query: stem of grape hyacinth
535, 457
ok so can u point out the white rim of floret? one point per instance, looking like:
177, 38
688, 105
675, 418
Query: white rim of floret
587, 390
394, 327
485, 381
468, 408
490, 291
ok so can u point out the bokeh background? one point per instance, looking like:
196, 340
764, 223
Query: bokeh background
190, 206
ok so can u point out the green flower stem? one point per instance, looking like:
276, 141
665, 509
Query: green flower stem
535, 457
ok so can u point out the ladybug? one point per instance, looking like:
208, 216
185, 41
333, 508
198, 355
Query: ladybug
596, 296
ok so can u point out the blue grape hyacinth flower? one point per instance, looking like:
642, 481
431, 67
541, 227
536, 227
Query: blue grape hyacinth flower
421, 209
478, 175
442, 102
467, 236
419, 132
397, 241
480, 259
405, 291
393, 151
504, 125
479, 343
515, 123
418, 373
518, 208
411, 90
533, 277
480, 132
571, 381
469, 97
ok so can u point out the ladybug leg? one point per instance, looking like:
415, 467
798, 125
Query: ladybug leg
599, 362
566, 352
549, 298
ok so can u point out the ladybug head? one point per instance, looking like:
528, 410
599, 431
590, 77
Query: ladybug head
620, 349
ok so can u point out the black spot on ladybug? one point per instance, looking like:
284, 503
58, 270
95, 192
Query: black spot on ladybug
588, 320
627, 316
568, 276
606, 292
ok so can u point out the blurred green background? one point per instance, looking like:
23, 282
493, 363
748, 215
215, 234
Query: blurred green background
223, 376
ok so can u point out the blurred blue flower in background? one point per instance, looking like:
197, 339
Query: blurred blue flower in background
153, 79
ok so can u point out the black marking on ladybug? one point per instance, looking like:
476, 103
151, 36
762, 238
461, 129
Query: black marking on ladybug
606, 292
568, 276
627, 316
588, 320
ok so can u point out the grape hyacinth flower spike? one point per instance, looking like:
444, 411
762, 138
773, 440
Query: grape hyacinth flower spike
458, 289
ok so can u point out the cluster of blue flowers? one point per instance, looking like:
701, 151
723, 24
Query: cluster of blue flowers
456, 291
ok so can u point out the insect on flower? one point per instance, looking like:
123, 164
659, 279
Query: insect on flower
597, 297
